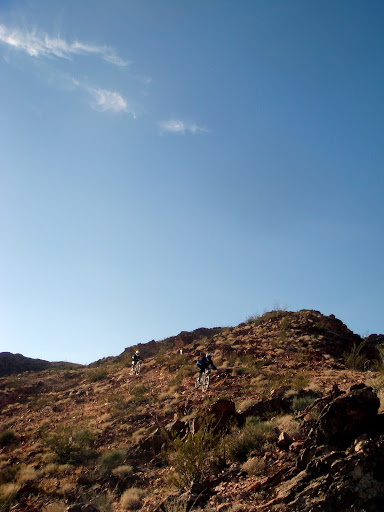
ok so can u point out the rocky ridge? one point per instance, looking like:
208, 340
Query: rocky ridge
98, 439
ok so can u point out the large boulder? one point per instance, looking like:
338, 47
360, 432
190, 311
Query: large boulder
347, 417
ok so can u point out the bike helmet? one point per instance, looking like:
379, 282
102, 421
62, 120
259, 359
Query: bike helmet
208, 355
137, 352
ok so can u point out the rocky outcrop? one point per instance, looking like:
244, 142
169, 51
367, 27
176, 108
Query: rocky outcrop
341, 466
347, 417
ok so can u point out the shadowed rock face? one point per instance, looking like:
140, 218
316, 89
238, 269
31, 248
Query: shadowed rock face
347, 417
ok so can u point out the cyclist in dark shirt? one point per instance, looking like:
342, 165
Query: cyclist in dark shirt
203, 364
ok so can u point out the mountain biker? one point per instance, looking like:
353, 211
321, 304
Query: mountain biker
136, 358
203, 364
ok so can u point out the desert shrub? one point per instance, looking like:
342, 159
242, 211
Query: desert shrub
131, 499
300, 380
7, 437
27, 474
96, 374
122, 471
175, 504
354, 359
110, 460
8, 494
120, 408
258, 319
38, 402
180, 374
139, 394
194, 457
57, 506
72, 445
8, 474
245, 364
252, 437
254, 466
285, 326
299, 403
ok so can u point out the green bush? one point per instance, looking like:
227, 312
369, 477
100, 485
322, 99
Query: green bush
7, 437
97, 374
302, 402
110, 460
72, 445
252, 437
354, 359
195, 457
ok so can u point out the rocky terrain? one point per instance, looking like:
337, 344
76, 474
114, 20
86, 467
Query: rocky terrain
292, 421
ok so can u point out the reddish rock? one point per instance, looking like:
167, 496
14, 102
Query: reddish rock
284, 440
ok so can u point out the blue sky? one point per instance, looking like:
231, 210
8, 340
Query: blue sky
170, 165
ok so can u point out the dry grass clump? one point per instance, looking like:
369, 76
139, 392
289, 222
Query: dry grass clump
277, 313
287, 423
122, 471
377, 384
254, 436
110, 460
246, 404
57, 506
254, 466
132, 498
138, 435
176, 504
28, 474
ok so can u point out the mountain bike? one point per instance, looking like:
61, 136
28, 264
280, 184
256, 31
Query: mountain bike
203, 380
135, 368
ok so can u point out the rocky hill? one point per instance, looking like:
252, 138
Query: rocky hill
291, 421
17, 363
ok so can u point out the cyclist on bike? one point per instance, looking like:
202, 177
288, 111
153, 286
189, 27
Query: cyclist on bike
136, 358
203, 364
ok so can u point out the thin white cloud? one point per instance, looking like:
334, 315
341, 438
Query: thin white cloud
45, 46
110, 101
180, 127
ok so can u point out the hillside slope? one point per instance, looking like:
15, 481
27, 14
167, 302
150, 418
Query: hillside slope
17, 363
102, 437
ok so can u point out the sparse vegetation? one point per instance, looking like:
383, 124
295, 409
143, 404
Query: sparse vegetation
97, 374
276, 313
175, 504
7, 437
73, 445
110, 460
252, 437
355, 358
194, 457
302, 402
122, 471
254, 466
132, 498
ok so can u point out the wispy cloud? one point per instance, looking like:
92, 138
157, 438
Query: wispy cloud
180, 127
110, 101
43, 45
105, 100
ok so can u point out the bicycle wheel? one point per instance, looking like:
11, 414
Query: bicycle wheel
205, 382
138, 368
